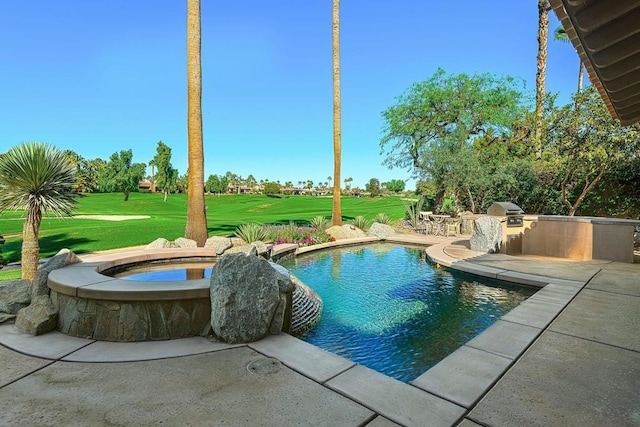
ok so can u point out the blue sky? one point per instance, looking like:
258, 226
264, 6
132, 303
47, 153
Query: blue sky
102, 76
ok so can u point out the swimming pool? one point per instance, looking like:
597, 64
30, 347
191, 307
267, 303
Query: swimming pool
388, 308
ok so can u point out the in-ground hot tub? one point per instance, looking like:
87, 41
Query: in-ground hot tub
96, 306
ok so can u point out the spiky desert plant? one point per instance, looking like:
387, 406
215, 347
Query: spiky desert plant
382, 218
38, 178
319, 223
361, 222
252, 232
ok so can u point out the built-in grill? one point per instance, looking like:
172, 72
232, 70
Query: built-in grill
511, 211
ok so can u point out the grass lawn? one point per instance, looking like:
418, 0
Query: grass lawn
168, 219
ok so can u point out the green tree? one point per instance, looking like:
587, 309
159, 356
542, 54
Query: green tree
196, 227
38, 178
121, 175
271, 188
373, 187
434, 122
395, 185
217, 184
93, 171
584, 143
166, 176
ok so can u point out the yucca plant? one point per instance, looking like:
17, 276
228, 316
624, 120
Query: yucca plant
319, 223
413, 212
361, 222
38, 178
382, 218
252, 232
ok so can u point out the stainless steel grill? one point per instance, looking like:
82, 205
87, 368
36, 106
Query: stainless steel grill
511, 211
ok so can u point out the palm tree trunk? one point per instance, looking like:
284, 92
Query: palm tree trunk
543, 35
196, 228
336, 214
30, 246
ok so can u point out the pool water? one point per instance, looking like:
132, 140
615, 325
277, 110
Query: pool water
166, 272
388, 308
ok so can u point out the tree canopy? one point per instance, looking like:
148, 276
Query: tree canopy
432, 125
121, 175
166, 176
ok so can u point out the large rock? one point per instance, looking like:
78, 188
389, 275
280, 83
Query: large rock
261, 247
247, 298
159, 243
346, 231
242, 249
381, 231
14, 295
39, 317
181, 242
220, 243
63, 258
487, 235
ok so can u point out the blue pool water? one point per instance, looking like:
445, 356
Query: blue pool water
389, 309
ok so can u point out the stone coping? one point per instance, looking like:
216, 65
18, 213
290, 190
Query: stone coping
589, 219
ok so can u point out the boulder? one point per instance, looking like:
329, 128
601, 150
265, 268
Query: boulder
39, 317
261, 247
14, 295
247, 298
220, 243
487, 235
346, 231
244, 249
159, 243
381, 231
63, 258
181, 242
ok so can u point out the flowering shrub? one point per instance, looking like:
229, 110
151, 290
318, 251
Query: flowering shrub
302, 236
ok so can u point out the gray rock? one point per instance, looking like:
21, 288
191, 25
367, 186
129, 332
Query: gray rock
159, 243
346, 231
14, 295
63, 258
181, 242
220, 243
487, 235
243, 249
261, 247
381, 231
247, 298
40, 317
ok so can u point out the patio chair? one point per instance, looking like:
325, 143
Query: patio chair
451, 226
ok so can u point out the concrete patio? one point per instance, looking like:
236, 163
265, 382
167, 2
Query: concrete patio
569, 355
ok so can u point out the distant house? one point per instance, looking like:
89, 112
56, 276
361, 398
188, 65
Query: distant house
147, 186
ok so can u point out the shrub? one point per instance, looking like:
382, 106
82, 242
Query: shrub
382, 218
252, 232
413, 212
302, 236
361, 222
319, 223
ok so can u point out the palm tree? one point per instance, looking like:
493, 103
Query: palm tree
38, 178
543, 35
196, 228
336, 213
561, 34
